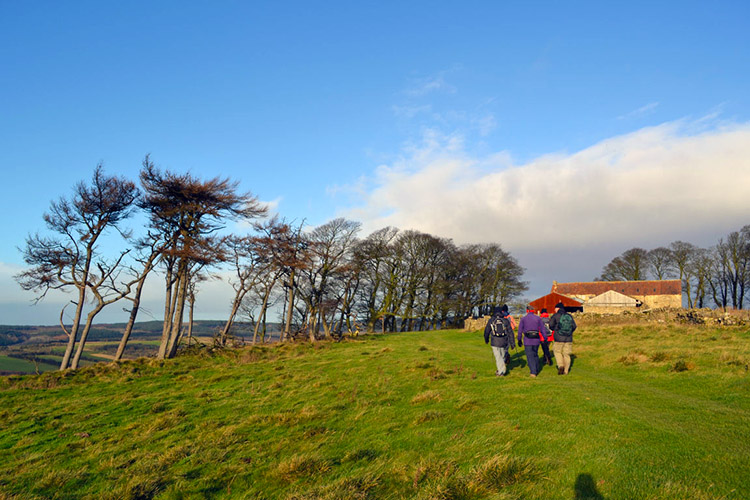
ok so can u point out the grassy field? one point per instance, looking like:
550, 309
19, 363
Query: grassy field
648, 411
15, 365
95, 352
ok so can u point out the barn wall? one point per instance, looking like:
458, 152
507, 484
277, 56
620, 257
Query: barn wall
659, 301
608, 309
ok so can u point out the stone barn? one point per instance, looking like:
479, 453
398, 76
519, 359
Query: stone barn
628, 294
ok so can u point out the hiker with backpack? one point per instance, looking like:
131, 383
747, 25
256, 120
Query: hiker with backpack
499, 334
531, 330
563, 324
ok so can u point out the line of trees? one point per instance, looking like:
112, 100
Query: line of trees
321, 282
718, 275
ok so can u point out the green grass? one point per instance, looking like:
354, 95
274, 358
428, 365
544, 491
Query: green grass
648, 412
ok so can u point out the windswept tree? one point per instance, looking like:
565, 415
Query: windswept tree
69, 259
188, 212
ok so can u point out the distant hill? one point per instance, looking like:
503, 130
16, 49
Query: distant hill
146, 330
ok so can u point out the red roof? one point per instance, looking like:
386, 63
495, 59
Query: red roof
632, 288
550, 300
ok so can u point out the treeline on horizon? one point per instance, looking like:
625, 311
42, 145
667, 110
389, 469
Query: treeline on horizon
718, 275
326, 280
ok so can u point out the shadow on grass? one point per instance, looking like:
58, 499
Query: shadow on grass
572, 362
517, 359
585, 488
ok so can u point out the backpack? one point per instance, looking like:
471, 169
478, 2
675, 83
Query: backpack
500, 327
565, 325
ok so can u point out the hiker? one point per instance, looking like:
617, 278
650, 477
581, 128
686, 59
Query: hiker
499, 334
530, 330
546, 339
563, 325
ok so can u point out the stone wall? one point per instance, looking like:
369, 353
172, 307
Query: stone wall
472, 325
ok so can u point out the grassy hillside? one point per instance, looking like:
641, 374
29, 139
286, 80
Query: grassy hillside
649, 411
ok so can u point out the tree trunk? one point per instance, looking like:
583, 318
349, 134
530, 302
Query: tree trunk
176, 330
131, 321
290, 308
74, 329
168, 313
84, 335
190, 318
235, 307
262, 314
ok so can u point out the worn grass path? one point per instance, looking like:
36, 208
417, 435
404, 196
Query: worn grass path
648, 411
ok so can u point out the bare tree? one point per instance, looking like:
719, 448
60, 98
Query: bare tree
70, 259
630, 266
250, 263
701, 265
682, 254
735, 255
329, 244
373, 255
660, 263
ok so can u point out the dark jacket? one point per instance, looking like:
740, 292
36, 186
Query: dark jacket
508, 342
554, 323
531, 323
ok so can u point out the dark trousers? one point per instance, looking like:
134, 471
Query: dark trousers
545, 350
532, 358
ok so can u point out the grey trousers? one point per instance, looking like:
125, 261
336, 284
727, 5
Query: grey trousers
499, 353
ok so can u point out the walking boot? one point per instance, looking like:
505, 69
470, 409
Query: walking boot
561, 371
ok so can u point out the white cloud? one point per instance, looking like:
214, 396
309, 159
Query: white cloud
657, 184
642, 111
422, 86
410, 111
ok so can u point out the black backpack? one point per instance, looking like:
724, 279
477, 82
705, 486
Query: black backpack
565, 325
500, 327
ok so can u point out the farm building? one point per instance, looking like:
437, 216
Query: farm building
612, 302
551, 299
627, 294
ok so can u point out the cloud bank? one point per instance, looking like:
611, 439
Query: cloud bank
672, 181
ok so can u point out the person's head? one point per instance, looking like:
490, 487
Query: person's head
529, 309
543, 311
559, 306
497, 310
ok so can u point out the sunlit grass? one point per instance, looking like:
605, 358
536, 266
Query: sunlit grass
648, 411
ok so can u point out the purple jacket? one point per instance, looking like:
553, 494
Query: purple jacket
531, 323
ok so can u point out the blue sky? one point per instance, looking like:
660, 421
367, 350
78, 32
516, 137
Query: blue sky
386, 113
